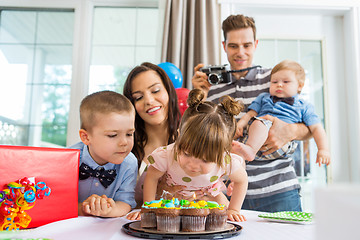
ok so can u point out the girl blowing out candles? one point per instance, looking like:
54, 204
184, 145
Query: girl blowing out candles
201, 156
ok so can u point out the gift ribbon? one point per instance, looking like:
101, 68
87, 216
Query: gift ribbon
17, 198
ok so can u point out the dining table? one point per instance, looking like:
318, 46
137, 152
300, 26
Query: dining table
97, 228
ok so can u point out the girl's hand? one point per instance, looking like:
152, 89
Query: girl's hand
163, 186
235, 216
201, 195
230, 189
134, 216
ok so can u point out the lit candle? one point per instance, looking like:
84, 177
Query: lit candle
194, 204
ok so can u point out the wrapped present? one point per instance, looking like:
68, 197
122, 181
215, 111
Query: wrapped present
57, 167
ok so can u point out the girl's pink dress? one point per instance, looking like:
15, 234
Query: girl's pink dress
212, 183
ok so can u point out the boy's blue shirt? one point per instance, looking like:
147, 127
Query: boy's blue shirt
121, 189
300, 111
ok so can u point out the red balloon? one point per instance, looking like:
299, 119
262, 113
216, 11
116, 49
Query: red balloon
182, 95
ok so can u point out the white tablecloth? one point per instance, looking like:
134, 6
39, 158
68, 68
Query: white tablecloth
110, 228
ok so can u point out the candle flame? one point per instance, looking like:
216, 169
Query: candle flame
194, 196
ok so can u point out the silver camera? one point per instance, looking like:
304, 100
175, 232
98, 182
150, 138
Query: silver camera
217, 74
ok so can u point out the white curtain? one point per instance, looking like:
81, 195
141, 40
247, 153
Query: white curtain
191, 35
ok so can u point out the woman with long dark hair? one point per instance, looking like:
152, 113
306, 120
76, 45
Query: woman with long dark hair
157, 113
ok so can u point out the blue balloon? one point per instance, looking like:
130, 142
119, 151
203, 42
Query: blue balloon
173, 72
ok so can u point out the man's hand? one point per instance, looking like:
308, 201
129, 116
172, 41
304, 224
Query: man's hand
280, 133
199, 80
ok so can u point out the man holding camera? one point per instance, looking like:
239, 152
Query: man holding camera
273, 185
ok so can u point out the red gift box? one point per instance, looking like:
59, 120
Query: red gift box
57, 167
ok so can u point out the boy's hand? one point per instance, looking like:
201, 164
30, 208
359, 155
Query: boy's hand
134, 216
234, 215
323, 157
98, 206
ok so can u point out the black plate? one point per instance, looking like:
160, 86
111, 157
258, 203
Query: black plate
133, 231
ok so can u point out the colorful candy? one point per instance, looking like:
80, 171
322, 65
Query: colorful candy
16, 199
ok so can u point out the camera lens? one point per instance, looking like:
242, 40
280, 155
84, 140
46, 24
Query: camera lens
213, 79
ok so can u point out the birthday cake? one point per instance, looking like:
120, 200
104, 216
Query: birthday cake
172, 215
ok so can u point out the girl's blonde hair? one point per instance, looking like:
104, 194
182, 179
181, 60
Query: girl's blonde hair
207, 129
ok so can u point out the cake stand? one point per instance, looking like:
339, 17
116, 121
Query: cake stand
134, 229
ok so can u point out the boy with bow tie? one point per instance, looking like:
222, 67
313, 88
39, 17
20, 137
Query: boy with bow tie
282, 101
108, 169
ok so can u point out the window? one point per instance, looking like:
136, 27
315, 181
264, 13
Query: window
36, 54
121, 39
36, 68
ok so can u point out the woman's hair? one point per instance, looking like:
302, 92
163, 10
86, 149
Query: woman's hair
102, 102
207, 129
173, 118
235, 22
291, 66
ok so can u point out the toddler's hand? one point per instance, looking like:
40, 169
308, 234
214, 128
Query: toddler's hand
235, 216
239, 129
134, 216
323, 157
